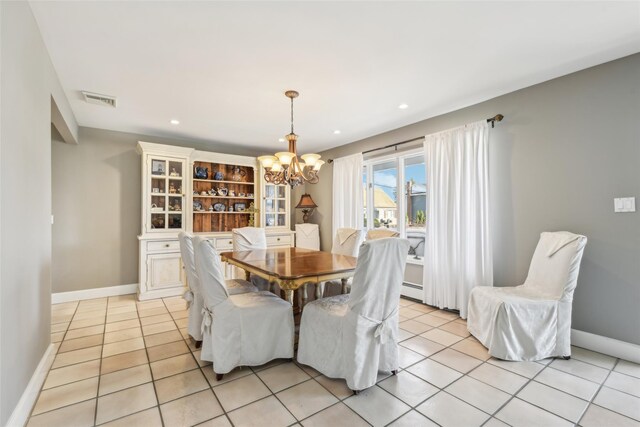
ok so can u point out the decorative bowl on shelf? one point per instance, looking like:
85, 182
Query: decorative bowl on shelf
218, 176
219, 207
232, 193
249, 194
241, 194
203, 193
240, 207
223, 191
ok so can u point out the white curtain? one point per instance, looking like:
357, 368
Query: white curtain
458, 247
347, 193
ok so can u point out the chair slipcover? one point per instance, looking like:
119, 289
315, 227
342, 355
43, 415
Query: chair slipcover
531, 321
194, 294
346, 242
308, 236
381, 233
353, 336
239, 330
247, 239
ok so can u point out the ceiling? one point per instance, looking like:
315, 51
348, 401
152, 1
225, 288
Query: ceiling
221, 68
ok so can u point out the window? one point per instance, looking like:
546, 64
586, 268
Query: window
395, 197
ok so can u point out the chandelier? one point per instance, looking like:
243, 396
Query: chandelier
284, 167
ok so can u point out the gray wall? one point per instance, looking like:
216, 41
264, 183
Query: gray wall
97, 207
566, 148
28, 83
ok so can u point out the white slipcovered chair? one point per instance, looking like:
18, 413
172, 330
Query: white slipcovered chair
381, 233
347, 241
193, 295
308, 236
247, 329
248, 239
353, 336
531, 321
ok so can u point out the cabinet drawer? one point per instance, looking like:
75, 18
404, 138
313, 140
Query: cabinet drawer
224, 244
163, 246
281, 240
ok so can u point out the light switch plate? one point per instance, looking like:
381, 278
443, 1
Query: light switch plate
624, 204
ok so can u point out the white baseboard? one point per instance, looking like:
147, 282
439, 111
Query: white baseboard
609, 346
20, 414
110, 291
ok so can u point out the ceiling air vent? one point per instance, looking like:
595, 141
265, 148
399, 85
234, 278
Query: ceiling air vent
96, 98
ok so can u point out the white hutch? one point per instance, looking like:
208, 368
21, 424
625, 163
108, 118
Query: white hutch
204, 193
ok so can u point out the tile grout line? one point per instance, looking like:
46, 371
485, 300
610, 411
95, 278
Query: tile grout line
95, 413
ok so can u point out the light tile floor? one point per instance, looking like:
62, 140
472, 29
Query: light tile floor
125, 363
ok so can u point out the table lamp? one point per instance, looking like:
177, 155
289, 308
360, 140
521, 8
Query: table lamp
307, 205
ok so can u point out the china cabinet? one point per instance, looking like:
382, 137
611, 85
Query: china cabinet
205, 193
164, 183
275, 205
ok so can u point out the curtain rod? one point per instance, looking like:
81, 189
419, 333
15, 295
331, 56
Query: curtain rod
492, 120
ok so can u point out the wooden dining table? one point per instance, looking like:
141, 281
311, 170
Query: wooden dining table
293, 268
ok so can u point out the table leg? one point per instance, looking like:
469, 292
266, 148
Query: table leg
288, 293
344, 285
305, 295
319, 290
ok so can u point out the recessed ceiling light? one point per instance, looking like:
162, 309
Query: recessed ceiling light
337, 132
175, 122
403, 106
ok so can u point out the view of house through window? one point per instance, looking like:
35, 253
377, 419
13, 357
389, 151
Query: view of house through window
395, 197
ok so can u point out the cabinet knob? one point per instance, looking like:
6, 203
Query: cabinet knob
278, 239
167, 245
230, 242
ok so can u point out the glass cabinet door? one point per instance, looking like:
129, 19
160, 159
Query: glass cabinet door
275, 205
166, 194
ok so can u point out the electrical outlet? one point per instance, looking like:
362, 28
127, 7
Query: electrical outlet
624, 204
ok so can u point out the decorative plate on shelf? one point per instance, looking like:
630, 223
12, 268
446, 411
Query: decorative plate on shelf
197, 205
219, 207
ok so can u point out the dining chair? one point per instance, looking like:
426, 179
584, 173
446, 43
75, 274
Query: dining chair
531, 321
193, 295
249, 329
308, 236
353, 336
248, 239
347, 241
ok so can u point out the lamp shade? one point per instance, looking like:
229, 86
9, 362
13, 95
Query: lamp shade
306, 202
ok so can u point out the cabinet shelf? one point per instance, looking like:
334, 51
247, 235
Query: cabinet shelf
222, 197
223, 182
222, 212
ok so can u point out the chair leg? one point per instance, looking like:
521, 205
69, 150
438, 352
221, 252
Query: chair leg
198, 343
566, 357
394, 372
356, 392
219, 377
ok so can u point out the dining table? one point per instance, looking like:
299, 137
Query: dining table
293, 268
